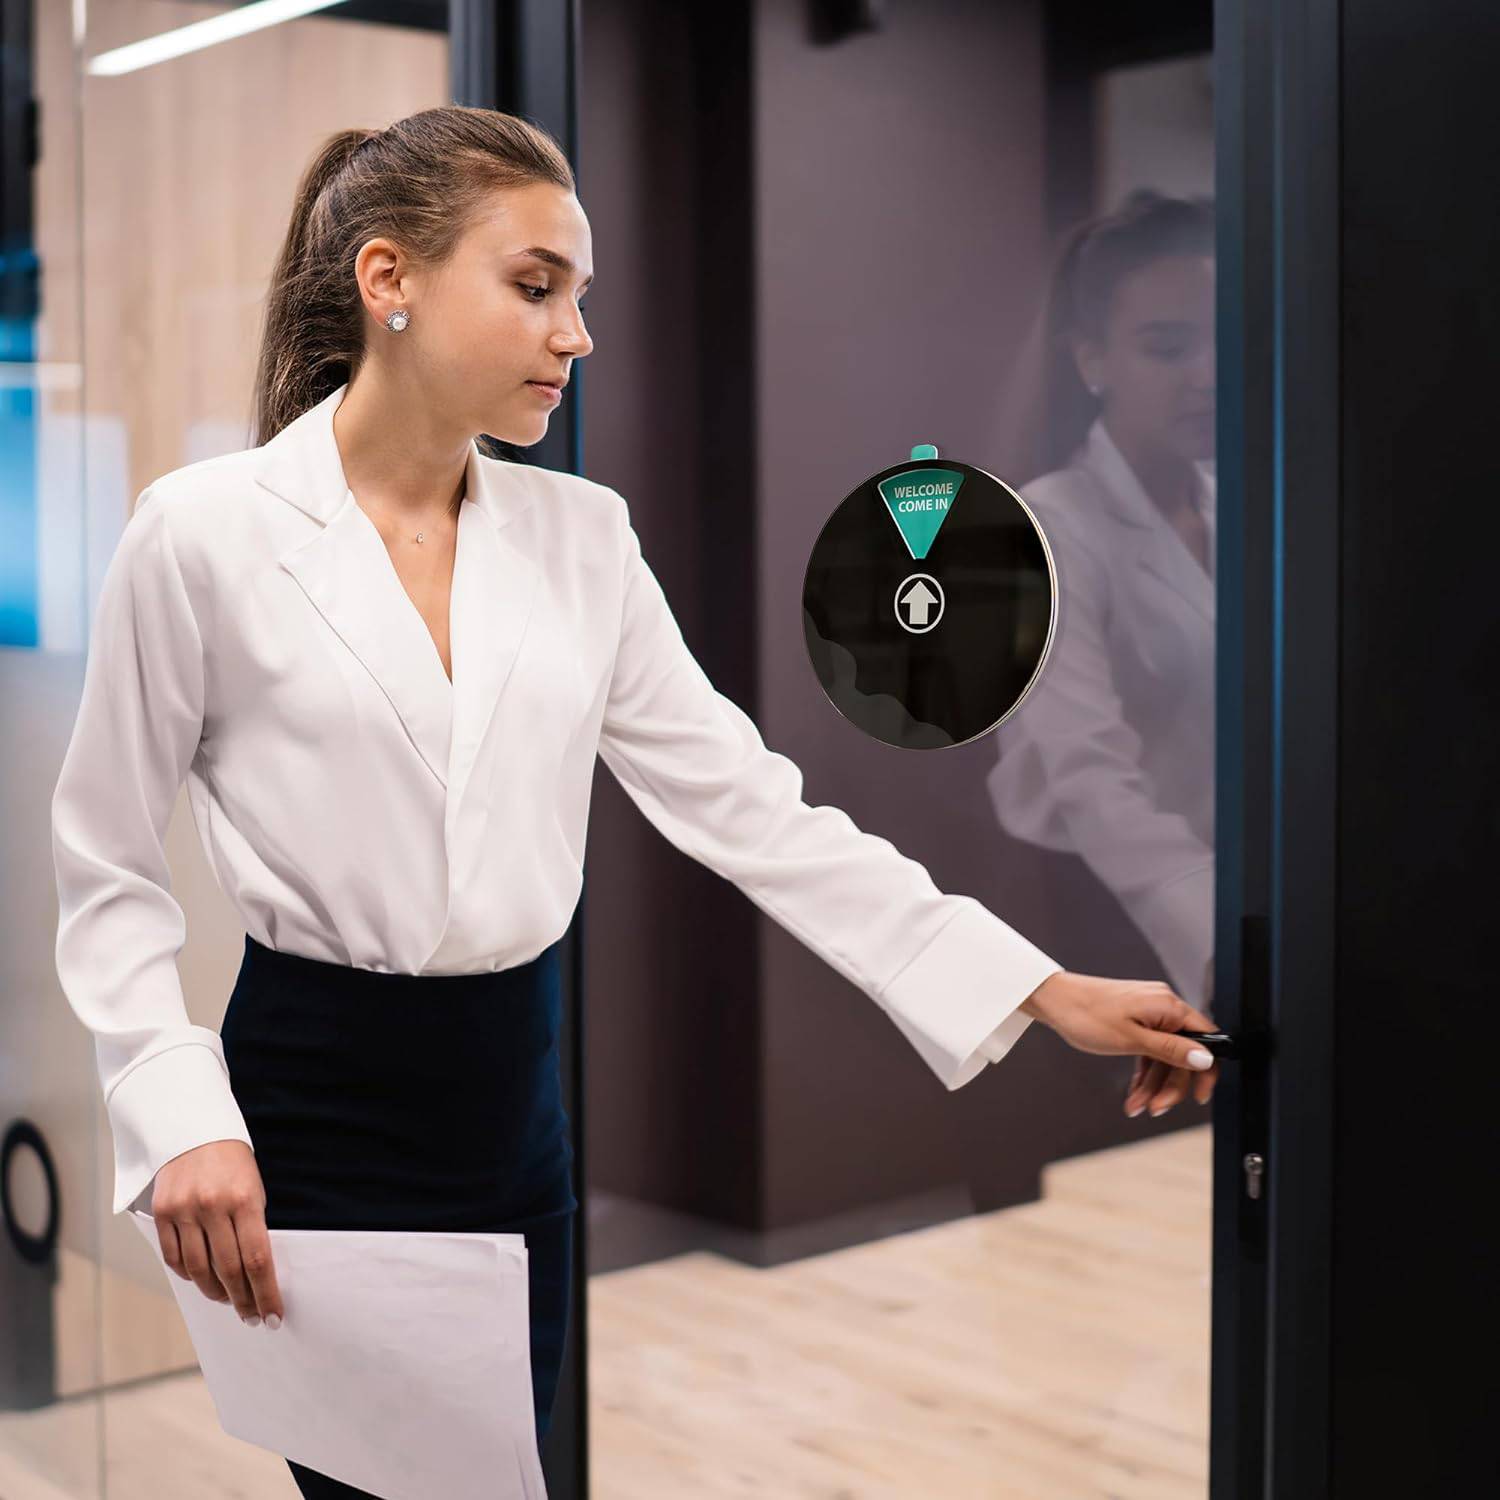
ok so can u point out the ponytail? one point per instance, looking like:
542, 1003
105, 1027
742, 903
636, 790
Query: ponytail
308, 346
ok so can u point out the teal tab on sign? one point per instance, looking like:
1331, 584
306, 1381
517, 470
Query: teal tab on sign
919, 501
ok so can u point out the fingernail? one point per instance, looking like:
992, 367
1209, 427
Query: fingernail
1134, 1112
1198, 1058
273, 1320
253, 1320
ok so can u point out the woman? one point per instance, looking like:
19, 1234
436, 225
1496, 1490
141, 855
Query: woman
1112, 757
385, 661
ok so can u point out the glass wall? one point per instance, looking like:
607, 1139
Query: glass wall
171, 138
978, 227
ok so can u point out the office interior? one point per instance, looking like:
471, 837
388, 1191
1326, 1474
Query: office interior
824, 233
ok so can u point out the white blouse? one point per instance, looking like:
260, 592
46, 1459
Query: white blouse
253, 637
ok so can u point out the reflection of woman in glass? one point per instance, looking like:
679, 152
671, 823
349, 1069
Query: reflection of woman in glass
1112, 756
385, 661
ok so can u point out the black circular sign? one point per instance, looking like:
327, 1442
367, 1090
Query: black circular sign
929, 603
38, 1249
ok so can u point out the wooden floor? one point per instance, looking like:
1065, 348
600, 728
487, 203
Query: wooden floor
1059, 1349
1056, 1351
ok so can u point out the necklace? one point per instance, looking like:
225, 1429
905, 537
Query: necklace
452, 511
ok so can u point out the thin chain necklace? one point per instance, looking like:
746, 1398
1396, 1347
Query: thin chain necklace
452, 511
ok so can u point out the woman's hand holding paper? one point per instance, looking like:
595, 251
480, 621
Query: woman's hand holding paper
209, 1205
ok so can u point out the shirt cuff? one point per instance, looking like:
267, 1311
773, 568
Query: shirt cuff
957, 1002
170, 1103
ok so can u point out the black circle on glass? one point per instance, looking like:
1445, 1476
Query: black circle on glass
952, 684
37, 1249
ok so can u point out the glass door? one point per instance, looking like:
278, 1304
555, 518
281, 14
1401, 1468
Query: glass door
168, 142
52, 1154
992, 229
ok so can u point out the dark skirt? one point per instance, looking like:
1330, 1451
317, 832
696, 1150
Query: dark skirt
406, 1101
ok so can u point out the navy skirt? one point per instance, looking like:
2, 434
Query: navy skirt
407, 1101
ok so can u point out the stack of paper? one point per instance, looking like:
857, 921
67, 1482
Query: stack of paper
402, 1365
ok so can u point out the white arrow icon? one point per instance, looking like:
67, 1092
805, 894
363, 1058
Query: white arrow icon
918, 601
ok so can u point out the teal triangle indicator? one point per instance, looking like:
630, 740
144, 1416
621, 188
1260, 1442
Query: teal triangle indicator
919, 501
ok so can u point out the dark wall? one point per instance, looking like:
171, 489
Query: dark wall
752, 190
672, 985
863, 149
1419, 738
902, 184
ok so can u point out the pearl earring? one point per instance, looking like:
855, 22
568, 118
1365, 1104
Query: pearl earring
397, 320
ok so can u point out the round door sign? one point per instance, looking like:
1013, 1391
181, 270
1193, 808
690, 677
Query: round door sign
930, 603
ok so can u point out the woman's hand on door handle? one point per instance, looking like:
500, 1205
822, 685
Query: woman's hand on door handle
1118, 1017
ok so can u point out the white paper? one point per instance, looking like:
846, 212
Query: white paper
402, 1365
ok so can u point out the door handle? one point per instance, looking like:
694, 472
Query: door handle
1247, 1045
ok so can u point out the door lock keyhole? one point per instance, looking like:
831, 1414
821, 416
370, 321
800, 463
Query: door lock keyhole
1255, 1170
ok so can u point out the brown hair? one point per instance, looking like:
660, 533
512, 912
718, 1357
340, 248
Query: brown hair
418, 182
1050, 408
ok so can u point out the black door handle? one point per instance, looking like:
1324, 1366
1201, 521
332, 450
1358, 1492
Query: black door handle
1222, 1044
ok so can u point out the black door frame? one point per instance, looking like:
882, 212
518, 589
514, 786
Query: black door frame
1277, 70
522, 56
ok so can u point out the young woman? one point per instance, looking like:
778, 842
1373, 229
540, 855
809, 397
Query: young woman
1112, 757
386, 661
